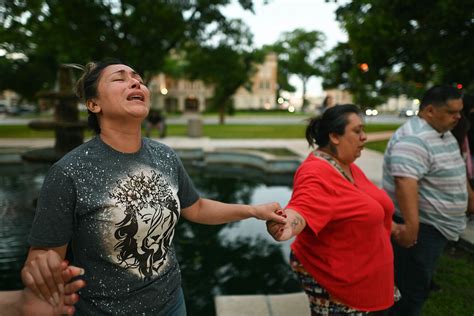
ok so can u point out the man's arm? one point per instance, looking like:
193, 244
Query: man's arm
470, 200
406, 191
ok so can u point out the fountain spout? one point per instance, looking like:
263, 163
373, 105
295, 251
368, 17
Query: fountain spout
67, 126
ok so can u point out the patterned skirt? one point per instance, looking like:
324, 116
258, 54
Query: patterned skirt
320, 301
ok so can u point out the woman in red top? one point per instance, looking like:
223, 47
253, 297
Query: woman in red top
342, 222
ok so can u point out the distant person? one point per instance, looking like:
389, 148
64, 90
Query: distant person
155, 120
342, 222
116, 200
327, 103
425, 175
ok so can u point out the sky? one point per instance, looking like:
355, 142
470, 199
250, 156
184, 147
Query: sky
278, 16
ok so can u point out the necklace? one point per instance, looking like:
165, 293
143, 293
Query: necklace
332, 161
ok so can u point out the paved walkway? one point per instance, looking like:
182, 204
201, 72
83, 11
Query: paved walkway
260, 305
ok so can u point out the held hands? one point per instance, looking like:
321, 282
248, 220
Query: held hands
32, 305
404, 235
284, 231
268, 212
279, 231
43, 275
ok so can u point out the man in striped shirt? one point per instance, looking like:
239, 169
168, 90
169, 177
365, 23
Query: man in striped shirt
425, 176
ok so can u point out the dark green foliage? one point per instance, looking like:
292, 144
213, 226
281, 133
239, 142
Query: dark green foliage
37, 36
226, 65
299, 52
408, 45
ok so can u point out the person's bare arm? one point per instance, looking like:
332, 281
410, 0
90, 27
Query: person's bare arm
42, 273
281, 232
211, 212
406, 191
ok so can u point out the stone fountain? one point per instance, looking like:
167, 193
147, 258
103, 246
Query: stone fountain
68, 128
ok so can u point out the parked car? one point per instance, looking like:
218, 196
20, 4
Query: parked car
22, 109
371, 112
408, 112
3, 108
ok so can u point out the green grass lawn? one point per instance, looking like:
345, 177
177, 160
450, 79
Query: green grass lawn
241, 131
379, 145
455, 276
21, 131
261, 131
261, 113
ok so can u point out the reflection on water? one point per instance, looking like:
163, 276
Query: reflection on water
19, 185
237, 258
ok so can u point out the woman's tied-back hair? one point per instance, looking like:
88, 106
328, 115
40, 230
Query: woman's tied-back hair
86, 87
333, 120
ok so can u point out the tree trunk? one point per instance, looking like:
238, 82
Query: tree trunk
305, 102
222, 115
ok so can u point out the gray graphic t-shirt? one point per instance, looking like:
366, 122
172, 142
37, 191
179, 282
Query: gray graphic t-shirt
118, 211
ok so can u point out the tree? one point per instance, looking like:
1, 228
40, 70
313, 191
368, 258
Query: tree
226, 65
37, 36
408, 45
298, 54
342, 72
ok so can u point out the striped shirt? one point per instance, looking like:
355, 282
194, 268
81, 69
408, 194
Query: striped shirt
416, 150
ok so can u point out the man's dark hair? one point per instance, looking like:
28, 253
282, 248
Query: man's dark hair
439, 95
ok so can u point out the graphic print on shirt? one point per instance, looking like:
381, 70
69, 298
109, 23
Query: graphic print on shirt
150, 212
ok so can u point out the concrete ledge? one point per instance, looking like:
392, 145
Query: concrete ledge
262, 305
253, 158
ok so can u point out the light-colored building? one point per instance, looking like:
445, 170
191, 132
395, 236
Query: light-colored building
182, 95
9, 98
179, 95
400, 103
336, 96
263, 91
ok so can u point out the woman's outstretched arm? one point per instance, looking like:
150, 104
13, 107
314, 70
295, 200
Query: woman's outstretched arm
212, 212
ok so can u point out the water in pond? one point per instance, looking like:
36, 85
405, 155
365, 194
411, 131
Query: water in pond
231, 259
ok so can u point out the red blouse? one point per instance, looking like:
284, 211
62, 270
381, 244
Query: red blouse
345, 245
